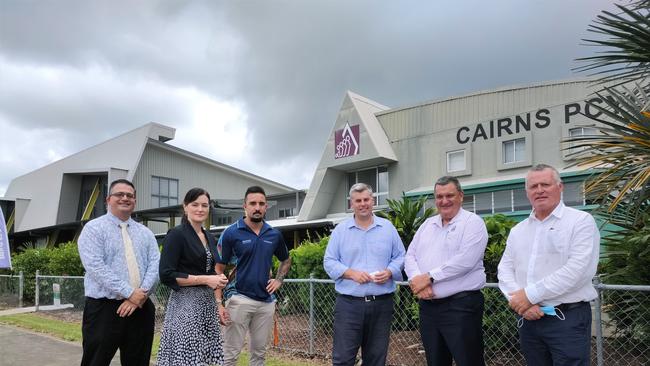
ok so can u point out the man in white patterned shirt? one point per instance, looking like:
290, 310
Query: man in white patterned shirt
546, 272
444, 264
121, 258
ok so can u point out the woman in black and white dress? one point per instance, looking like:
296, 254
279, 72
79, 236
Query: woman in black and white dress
191, 333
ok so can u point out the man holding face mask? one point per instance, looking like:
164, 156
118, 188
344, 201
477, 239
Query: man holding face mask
364, 256
546, 271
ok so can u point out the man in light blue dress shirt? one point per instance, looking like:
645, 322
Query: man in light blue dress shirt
116, 313
364, 256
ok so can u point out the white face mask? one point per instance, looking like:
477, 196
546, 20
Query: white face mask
547, 310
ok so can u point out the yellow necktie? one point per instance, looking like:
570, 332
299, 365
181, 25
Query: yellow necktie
131, 261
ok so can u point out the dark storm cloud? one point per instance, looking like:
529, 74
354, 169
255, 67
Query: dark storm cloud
109, 66
302, 56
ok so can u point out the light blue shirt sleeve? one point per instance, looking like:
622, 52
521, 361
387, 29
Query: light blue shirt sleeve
397, 257
153, 260
331, 259
99, 276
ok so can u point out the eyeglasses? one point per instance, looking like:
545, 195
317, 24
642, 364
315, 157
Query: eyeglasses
122, 195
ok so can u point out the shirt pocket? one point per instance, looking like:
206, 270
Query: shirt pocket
558, 241
380, 249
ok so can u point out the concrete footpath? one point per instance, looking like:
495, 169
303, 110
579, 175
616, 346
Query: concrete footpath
22, 347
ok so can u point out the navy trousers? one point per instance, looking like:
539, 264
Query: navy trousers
550, 341
451, 328
365, 324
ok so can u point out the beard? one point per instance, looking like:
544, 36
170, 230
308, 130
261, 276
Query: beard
257, 217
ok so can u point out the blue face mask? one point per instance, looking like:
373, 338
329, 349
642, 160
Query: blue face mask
547, 310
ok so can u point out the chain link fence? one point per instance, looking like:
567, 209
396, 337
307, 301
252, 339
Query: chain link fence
11, 291
305, 308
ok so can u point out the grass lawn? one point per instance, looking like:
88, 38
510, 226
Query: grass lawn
72, 332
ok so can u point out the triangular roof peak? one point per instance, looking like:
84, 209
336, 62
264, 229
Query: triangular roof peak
358, 97
357, 141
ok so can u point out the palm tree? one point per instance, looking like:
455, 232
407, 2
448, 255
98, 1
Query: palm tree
405, 215
620, 153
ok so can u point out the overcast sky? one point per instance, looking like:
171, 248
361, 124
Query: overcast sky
256, 84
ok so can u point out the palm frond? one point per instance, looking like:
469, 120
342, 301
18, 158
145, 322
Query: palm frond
626, 54
620, 152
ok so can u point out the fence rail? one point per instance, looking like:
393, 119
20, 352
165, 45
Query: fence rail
305, 307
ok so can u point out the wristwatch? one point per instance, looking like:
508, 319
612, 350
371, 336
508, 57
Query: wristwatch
431, 277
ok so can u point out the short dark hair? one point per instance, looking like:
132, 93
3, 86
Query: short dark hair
120, 181
254, 189
191, 196
443, 181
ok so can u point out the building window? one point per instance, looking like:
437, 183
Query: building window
224, 220
377, 178
583, 131
456, 161
164, 192
577, 132
468, 202
483, 203
520, 201
514, 151
285, 212
502, 201
573, 194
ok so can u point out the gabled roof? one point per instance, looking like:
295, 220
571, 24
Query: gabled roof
117, 157
372, 148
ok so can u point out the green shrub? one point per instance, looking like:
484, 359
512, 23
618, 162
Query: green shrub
30, 261
498, 228
627, 261
65, 261
307, 259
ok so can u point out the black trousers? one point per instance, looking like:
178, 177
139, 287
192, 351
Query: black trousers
365, 324
552, 341
451, 328
104, 332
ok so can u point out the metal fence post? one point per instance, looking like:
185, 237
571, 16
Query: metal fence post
599, 322
21, 288
36, 292
311, 313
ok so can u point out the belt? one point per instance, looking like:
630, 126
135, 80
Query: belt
367, 298
104, 299
455, 296
571, 305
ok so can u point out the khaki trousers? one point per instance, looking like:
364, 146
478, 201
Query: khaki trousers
254, 317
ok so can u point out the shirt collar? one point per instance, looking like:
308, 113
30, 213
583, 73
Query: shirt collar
437, 220
352, 223
116, 220
557, 212
241, 225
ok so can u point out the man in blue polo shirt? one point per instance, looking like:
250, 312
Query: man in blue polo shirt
364, 256
254, 243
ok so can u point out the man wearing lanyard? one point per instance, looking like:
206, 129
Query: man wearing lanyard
546, 271
444, 264
364, 256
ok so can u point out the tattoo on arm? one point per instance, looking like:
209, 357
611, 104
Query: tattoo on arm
283, 269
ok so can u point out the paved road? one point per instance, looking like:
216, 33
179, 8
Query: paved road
22, 347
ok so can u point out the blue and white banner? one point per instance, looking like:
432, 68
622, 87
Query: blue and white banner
5, 256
